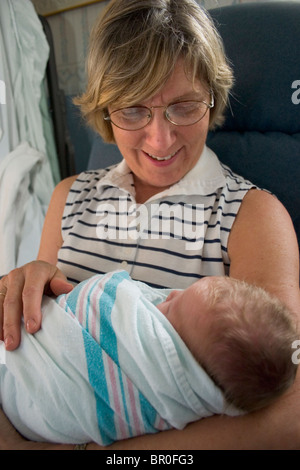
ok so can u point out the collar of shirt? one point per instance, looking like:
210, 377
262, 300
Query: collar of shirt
205, 178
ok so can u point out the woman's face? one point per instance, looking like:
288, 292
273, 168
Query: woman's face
161, 139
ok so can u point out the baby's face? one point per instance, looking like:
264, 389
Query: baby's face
189, 311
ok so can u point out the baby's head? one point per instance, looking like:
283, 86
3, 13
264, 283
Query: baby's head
241, 335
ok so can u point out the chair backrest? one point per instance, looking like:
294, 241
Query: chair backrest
261, 135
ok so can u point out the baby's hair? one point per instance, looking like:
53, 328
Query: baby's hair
248, 352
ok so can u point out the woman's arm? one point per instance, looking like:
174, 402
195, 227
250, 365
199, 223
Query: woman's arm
263, 248
24, 286
51, 239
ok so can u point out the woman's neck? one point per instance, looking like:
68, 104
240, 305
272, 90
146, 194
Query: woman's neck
143, 192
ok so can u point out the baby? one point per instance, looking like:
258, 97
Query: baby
241, 336
128, 359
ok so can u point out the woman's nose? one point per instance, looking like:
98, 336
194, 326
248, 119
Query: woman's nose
160, 134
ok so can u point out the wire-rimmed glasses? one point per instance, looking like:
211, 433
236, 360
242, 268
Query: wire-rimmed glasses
181, 113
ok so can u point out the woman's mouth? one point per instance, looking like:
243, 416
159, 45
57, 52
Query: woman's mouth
161, 159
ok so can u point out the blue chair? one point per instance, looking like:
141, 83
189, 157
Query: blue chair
260, 138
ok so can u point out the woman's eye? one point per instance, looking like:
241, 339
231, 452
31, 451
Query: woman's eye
133, 114
184, 108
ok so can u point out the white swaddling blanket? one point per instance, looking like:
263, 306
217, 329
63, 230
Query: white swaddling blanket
106, 365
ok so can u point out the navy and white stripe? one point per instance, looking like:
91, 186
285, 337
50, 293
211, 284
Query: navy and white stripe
175, 238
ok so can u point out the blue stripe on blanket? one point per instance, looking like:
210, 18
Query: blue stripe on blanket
97, 378
72, 298
149, 415
113, 409
95, 362
108, 339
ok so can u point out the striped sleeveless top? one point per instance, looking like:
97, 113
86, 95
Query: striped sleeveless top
175, 238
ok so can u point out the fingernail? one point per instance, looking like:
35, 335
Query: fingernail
8, 341
31, 325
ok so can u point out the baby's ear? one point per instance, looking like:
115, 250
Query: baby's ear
172, 295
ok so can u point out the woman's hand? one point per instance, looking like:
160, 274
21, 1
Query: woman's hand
22, 291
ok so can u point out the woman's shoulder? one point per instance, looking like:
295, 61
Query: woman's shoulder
65, 185
81, 182
85, 178
235, 181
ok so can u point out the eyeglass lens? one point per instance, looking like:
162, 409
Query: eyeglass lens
184, 113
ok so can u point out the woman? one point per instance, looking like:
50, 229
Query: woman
157, 81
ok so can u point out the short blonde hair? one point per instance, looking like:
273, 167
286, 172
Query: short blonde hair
134, 48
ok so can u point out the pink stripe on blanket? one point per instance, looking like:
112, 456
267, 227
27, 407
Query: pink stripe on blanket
119, 412
160, 424
95, 310
134, 412
81, 304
